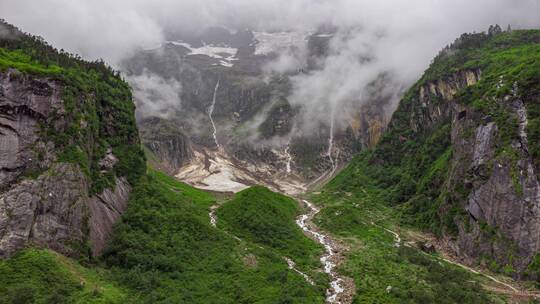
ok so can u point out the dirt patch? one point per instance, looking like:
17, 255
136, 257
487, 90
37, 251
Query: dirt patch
250, 260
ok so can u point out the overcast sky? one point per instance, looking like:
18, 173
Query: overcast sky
111, 28
399, 36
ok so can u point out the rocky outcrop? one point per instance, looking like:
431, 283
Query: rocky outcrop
170, 147
49, 211
252, 111
55, 211
434, 101
503, 192
490, 195
24, 102
105, 209
44, 202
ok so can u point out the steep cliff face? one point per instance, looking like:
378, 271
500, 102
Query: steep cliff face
252, 114
460, 155
170, 148
499, 181
69, 149
24, 101
494, 186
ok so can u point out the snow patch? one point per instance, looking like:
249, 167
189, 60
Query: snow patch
221, 175
324, 35
268, 43
226, 64
210, 50
225, 54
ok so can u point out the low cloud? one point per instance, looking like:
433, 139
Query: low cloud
154, 95
112, 29
384, 38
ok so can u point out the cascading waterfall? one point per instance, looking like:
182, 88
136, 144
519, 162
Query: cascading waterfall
211, 111
331, 143
289, 156
329, 153
212, 215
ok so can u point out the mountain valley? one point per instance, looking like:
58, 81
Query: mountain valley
194, 172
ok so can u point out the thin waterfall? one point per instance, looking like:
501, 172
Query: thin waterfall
211, 112
289, 156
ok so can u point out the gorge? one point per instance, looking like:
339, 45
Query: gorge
263, 164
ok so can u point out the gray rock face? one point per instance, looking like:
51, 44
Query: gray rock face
170, 146
23, 103
107, 163
498, 195
105, 209
434, 101
252, 112
483, 147
49, 211
52, 210
503, 201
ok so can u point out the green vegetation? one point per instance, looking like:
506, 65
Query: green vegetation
99, 109
478, 51
19, 60
409, 167
406, 181
534, 268
267, 218
43, 276
384, 273
166, 249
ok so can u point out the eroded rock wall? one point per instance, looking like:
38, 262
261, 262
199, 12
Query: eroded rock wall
502, 192
493, 184
44, 202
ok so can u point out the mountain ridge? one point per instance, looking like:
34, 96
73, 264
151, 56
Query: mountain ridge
459, 157
442, 146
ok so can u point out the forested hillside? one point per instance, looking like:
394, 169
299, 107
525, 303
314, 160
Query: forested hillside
460, 158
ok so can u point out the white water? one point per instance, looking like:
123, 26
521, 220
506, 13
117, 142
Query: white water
333, 161
213, 216
289, 156
290, 263
331, 142
292, 266
327, 259
329, 154
211, 112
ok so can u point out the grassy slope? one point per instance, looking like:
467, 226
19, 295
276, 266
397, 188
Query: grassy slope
375, 263
166, 249
94, 96
399, 183
42, 276
409, 169
267, 218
